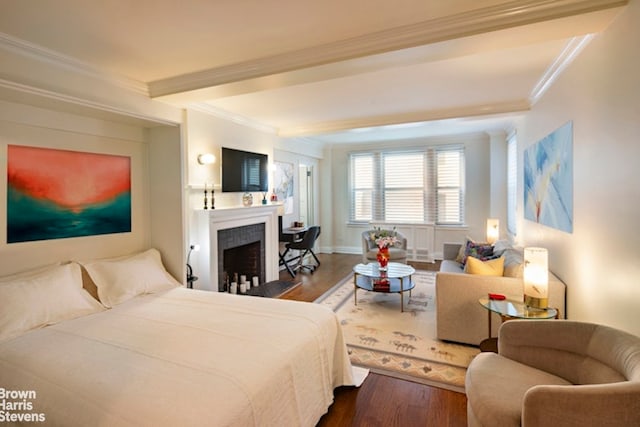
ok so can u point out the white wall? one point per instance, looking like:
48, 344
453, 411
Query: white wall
346, 238
600, 92
206, 133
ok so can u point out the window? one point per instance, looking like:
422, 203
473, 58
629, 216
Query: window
408, 186
512, 182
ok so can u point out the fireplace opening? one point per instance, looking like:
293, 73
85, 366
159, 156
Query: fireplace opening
241, 252
242, 261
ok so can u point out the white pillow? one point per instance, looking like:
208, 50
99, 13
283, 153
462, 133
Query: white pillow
120, 279
29, 273
43, 298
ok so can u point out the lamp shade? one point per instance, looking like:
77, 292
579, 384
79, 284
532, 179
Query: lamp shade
493, 230
536, 277
206, 158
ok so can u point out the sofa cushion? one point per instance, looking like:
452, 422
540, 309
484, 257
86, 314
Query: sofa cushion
481, 251
514, 270
492, 267
500, 246
451, 266
475, 249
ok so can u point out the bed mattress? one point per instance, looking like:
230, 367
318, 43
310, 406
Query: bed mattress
181, 357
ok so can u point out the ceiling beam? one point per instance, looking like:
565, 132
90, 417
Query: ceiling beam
506, 15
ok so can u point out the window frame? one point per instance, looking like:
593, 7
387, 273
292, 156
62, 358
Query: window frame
429, 187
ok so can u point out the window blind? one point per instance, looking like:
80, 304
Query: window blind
450, 186
408, 186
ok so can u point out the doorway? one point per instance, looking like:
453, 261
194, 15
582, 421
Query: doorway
306, 194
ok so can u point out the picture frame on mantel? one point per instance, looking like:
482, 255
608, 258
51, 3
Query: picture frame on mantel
548, 180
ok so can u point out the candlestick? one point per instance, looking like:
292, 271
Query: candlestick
213, 197
205, 196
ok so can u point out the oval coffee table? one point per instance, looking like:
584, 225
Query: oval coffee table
396, 279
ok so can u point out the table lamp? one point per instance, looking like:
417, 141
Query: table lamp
536, 278
493, 230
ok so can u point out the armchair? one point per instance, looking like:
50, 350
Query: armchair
397, 253
556, 373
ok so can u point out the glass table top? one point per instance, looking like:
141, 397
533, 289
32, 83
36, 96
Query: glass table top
395, 270
517, 309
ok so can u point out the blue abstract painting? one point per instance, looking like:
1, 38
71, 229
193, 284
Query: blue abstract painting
548, 180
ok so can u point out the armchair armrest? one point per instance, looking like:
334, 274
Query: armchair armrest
615, 404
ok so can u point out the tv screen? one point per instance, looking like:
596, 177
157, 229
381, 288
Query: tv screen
244, 171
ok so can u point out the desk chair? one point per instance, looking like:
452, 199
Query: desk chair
306, 246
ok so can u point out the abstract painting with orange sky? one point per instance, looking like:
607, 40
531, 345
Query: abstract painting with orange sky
54, 194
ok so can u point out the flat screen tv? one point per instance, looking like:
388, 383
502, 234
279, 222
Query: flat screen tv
244, 171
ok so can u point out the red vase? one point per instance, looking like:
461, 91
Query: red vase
383, 257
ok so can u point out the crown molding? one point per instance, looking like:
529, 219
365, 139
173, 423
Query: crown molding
60, 60
412, 117
506, 15
71, 104
566, 57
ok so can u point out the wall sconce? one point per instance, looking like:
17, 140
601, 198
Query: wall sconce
206, 158
536, 278
190, 277
493, 230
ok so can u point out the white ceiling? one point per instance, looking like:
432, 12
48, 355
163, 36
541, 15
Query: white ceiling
319, 69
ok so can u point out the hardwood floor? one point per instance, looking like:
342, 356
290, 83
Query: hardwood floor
381, 401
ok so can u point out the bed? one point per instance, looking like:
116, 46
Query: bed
162, 355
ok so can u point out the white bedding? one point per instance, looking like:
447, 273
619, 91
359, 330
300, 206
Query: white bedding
180, 358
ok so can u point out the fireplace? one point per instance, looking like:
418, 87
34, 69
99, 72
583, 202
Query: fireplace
241, 252
252, 231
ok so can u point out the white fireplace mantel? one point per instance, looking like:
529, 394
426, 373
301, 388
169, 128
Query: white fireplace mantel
206, 225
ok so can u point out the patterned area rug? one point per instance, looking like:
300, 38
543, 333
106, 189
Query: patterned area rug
400, 344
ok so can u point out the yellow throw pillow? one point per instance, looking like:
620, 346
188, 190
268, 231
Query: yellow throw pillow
492, 267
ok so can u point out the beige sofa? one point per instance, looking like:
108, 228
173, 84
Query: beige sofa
459, 315
556, 373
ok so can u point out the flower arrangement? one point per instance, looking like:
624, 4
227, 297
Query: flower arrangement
384, 238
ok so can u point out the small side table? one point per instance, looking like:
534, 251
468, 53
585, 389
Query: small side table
508, 310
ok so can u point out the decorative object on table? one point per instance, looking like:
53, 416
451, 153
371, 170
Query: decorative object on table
264, 198
548, 180
383, 257
384, 239
205, 197
247, 199
536, 278
274, 196
493, 230
55, 194
190, 277
399, 344
213, 198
